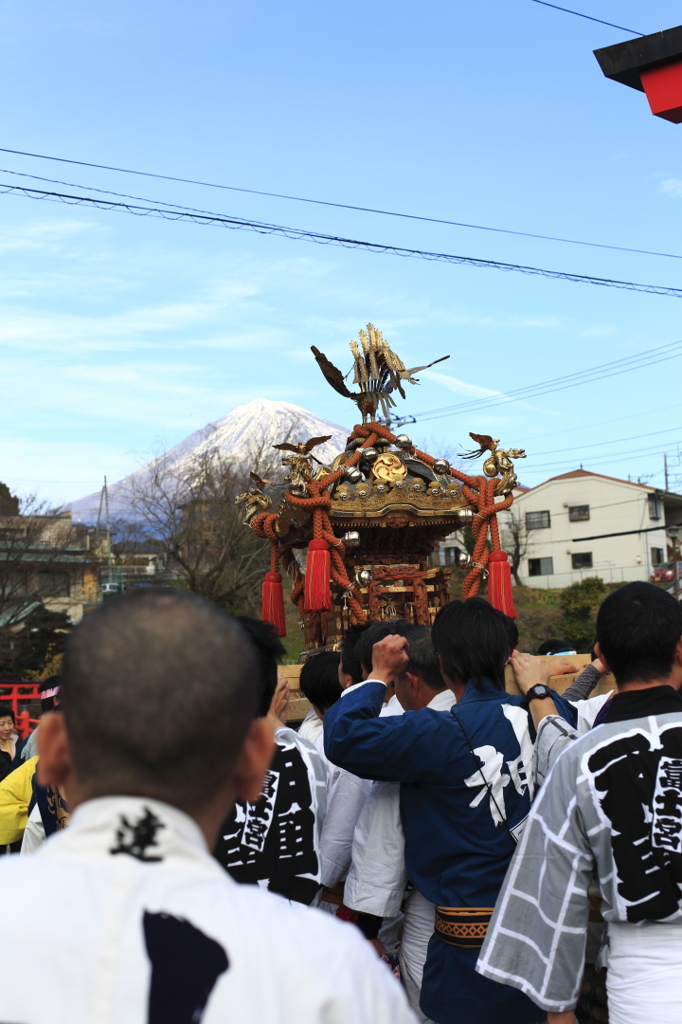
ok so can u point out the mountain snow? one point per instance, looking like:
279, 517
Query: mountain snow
246, 430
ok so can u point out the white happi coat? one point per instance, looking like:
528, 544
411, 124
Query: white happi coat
377, 878
126, 918
346, 798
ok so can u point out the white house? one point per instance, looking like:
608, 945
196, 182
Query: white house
587, 524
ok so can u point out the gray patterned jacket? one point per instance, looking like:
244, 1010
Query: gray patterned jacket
611, 808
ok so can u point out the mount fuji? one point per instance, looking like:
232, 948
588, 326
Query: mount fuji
246, 429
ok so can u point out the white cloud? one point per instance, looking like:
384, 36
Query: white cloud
597, 332
460, 387
671, 187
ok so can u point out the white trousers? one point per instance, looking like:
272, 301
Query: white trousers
643, 981
418, 928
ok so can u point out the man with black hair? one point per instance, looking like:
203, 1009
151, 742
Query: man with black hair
375, 632
611, 808
142, 924
350, 666
465, 795
349, 672
319, 681
274, 842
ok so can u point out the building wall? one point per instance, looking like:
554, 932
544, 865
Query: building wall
613, 506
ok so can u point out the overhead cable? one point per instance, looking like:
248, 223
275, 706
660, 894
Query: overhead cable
617, 366
600, 423
624, 533
643, 453
600, 444
300, 234
589, 17
322, 202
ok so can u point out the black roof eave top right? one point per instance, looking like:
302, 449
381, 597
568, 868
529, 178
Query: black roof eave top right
625, 61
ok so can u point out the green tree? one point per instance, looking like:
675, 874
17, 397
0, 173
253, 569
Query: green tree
579, 604
25, 652
9, 503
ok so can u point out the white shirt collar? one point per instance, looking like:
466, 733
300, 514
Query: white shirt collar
443, 701
148, 830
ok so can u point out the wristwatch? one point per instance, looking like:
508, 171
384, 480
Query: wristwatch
538, 692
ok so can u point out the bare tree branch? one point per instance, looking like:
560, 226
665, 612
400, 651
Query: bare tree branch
187, 507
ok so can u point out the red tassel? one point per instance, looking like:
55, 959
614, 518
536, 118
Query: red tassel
318, 593
500, 583
272, 607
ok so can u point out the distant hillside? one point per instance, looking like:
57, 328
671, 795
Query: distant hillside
247, 429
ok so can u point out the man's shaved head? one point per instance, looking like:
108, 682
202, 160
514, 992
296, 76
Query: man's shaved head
158, 691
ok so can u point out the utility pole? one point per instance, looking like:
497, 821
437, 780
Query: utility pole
106, 506
395, 421
104, 500
665, 470
672, 532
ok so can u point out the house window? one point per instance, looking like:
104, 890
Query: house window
17, 585
54, 584
654, 508
657, 556
452, 556
579, 513
540, 566
537, 521
583, 560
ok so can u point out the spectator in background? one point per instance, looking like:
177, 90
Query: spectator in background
183, 942
16, 795
8, 740
49, 700
274, 842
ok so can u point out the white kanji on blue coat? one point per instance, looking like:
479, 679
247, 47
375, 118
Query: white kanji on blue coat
491, 780
490, 776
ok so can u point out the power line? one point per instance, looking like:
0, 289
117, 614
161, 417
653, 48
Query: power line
624, 365
300, 234
643, 453
589, 17
600, 423
599, 444
624, 533
318, 202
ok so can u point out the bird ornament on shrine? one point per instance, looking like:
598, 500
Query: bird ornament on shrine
254, 500
378, 372
301, 463
498, 462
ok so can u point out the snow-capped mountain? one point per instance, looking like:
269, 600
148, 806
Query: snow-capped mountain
243, 433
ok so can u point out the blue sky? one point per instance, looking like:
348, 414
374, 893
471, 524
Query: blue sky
120, 333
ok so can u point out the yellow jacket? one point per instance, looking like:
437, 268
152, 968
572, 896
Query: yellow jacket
16, 790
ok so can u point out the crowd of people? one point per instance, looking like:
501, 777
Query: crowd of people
427, 846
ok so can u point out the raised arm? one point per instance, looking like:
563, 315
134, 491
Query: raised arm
391, 749
530, 672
